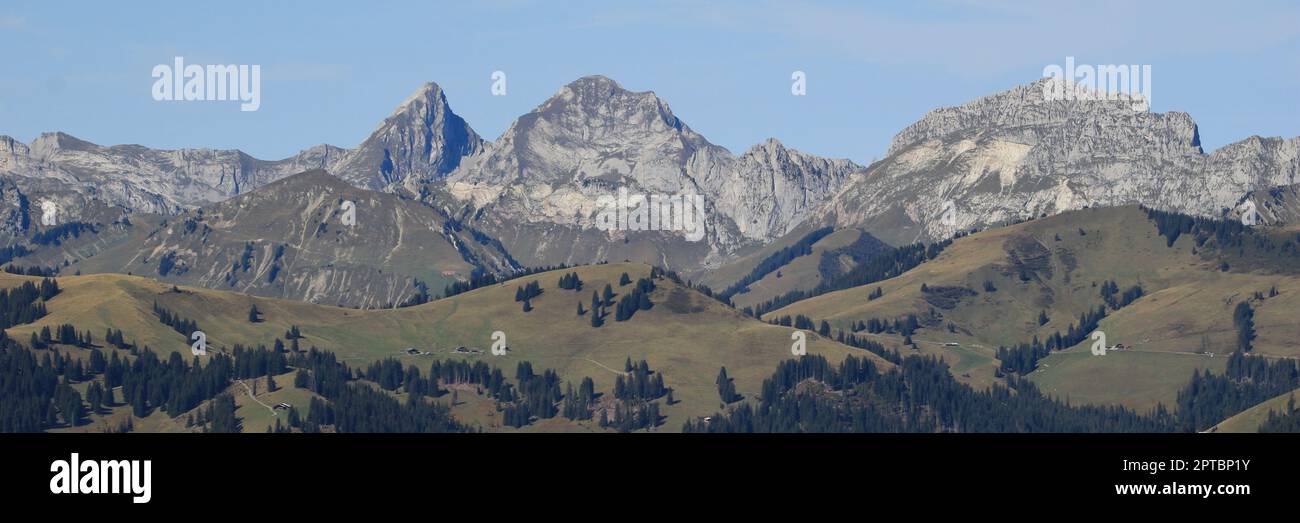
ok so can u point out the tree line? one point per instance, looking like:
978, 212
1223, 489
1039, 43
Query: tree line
880, 267
775, 261
25, 303
809, 394
178, 323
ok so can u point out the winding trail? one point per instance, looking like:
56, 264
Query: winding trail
259, 402
601, 365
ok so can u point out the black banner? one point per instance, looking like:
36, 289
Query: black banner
314, 471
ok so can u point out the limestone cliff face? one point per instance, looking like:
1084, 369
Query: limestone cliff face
421, 140
142, 179
295, 238
1275, 206
537, 189
593, 137
1016, 154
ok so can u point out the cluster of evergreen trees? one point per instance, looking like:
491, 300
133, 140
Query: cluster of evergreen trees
30, 271
628, 416
478, 373
726, 387
115, 338
32, 397
775, 261
350, 406
1287, 421
529, 291
25, 303
640, 383
480, 278
175, 321
1243, 320
1115, 299
1172, 225
219, 417
258, 362
1023, 358
540, 396
601, 301
56, 234
9, 253
276, 264
149, 383
526, 293
799, 322
570, 282
918, 396
36, 392
387, 373
419, 297
67, 335
364, 409
477, 278
578, 403
880, 267
636, 300
904, 326
33, 389
533, 396
1248, 380
597, 309
862, 342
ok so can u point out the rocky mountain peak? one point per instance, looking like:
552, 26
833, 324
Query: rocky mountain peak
1024, 112
769, 146
591, 129
772, 151
594, 138
1017, 154
422, 140
601, 104
425, 105
50, 143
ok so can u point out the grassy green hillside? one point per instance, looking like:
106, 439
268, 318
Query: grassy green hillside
685, 336
828, 255
1250, 419
1056, 265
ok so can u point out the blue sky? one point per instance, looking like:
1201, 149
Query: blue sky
332, 70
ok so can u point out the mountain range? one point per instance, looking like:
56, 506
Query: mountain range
992, 240
1017, 154
531, 197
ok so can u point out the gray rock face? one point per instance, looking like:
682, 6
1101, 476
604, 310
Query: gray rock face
552, 166
142, 179
310, 237
777, 187
14, 207
1016, 154
537, 187
1276, 206
421, 140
